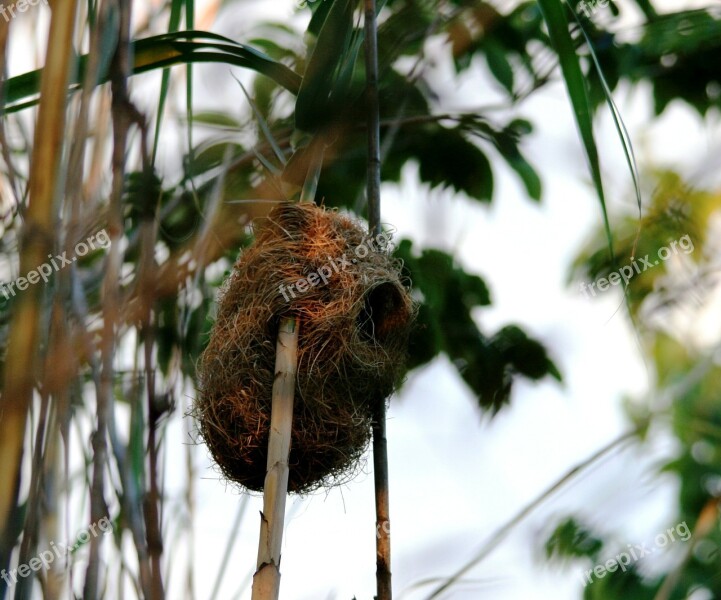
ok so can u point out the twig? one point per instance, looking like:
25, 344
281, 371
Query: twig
123, 116
505, 529
266, 581
232, 538
127, 492
34, 511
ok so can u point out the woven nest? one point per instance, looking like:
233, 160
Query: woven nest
354, 324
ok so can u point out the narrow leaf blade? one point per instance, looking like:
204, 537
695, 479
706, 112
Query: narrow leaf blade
555, 17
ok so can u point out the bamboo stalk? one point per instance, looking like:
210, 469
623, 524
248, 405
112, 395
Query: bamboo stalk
373, 186
373, 181
21, 365
266, 581
383, 530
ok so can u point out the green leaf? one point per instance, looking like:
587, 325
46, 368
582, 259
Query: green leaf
315, 165
158, 52
499, 65
445, 324
264, 127
617, 120
211, 154
555, 17
217, 119
190, 23
176, 7
403, 33
507, 144
648, 10
570, 539
527, 356
321, 78
447, 158
528, 175
520, 126
177, 226
320, 14
184, 47
142, 195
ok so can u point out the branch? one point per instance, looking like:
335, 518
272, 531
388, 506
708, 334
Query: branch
505, 529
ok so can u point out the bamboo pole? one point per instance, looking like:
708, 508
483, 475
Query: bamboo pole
373, 173
266, 581
373, 186
21, 366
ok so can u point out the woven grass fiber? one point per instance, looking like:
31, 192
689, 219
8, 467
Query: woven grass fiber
355, 313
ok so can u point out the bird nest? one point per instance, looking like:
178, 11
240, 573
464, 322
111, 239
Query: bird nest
355, 313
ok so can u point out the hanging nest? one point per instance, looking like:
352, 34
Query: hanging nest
355, 314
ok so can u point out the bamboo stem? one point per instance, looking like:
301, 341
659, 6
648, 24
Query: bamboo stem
380, 479
266, 581
380, 445
373, 182
21, 366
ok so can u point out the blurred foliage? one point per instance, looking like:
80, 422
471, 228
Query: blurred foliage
675, 225
685, 396
676, 53
570, 539
446, 324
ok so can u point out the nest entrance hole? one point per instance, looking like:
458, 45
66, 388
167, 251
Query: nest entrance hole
385, 310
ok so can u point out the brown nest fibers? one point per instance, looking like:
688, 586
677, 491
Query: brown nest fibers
355, 313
